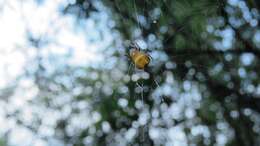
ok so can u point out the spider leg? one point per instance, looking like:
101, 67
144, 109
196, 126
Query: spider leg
138, 85
137, 47
150, 57
134, 45
128, 56
129, 68
148, 50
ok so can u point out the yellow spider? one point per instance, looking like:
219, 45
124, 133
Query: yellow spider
140, 58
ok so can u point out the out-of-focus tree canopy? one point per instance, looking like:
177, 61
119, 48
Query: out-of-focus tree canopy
206, 60
202, 86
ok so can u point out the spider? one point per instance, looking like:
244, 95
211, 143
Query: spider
140, 58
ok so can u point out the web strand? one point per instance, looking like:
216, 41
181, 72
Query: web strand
137, 19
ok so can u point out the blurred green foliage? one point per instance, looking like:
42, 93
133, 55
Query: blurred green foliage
192, 36
196, 91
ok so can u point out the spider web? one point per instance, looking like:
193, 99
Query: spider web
162, 6
139, 14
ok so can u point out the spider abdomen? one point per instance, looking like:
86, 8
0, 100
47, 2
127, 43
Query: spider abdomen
141, 60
